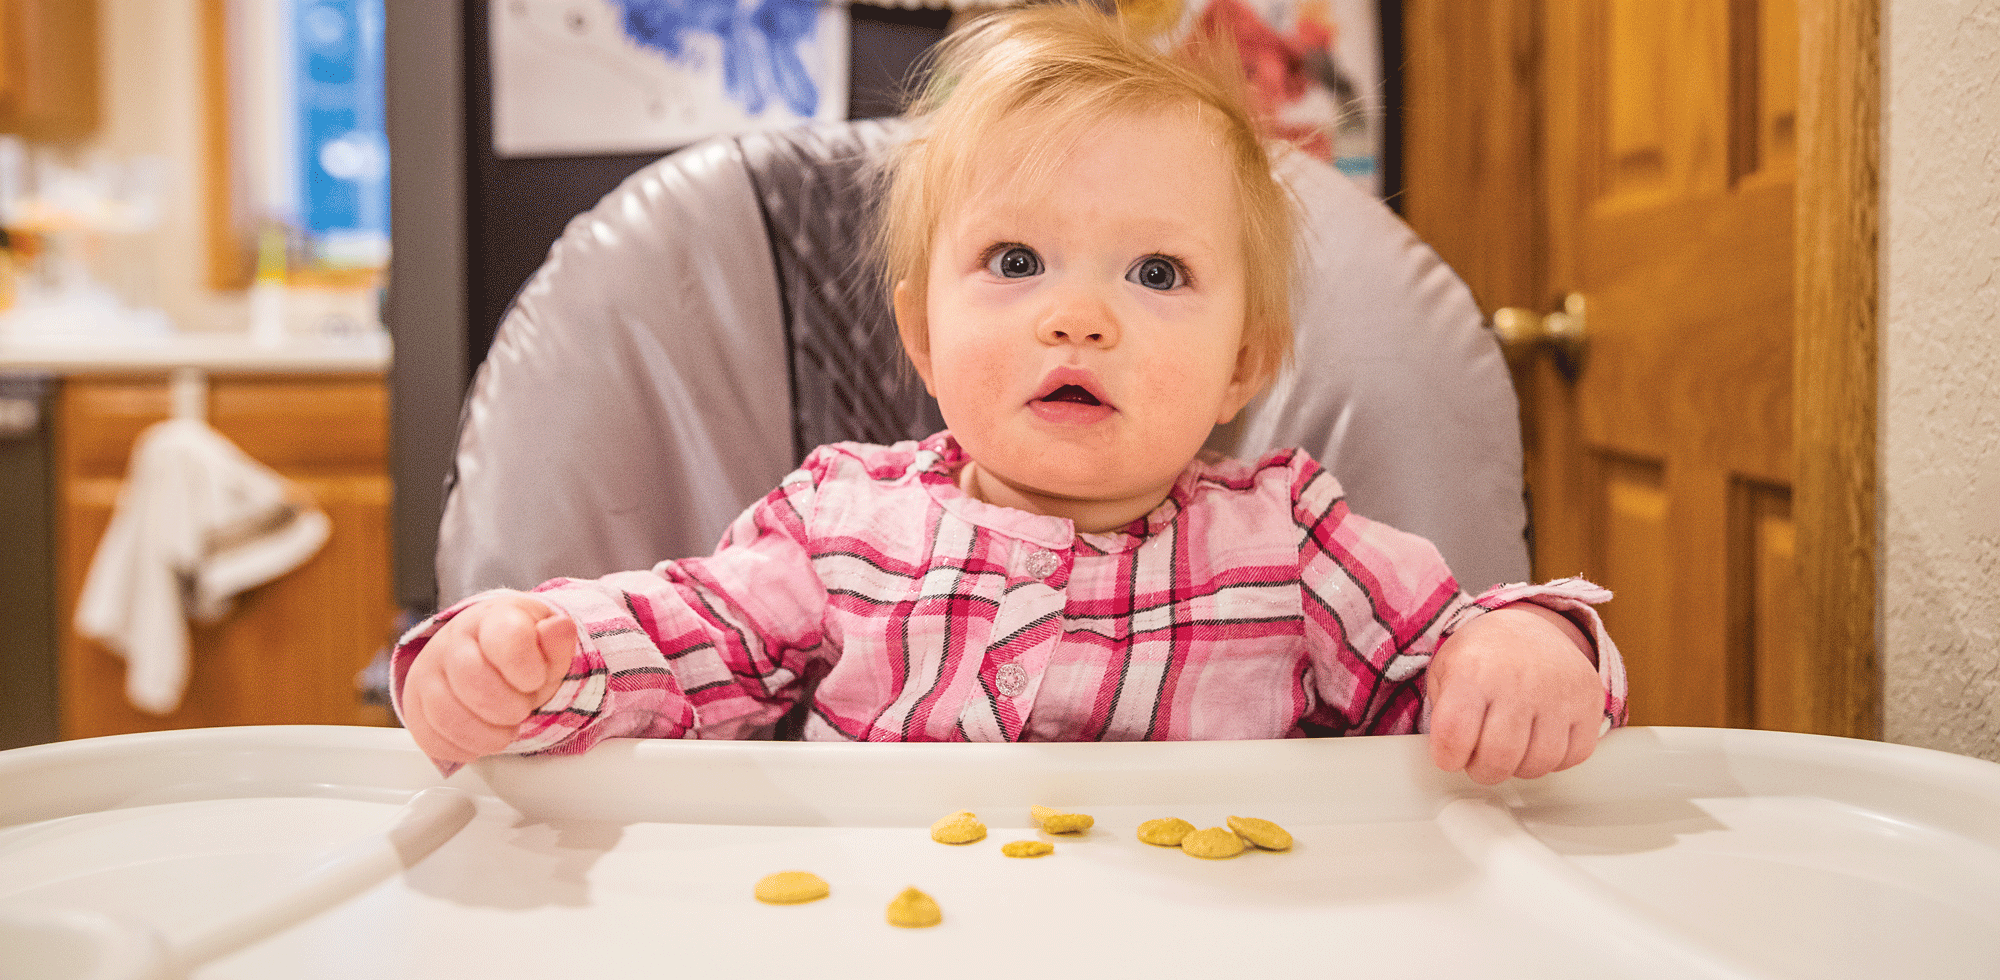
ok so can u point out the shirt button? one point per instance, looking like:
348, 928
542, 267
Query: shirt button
1043, 564
1011, 679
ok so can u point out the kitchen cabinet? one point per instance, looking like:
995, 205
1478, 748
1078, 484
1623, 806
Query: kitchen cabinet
48, 68
290, 650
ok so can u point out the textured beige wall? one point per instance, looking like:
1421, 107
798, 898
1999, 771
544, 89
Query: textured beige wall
1940, 409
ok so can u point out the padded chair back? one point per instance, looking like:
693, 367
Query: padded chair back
716, 316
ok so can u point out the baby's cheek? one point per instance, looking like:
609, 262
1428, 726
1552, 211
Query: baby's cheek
979, 369
969, 389
1185, 388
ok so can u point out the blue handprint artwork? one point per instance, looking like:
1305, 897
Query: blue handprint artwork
760, 47
581, 76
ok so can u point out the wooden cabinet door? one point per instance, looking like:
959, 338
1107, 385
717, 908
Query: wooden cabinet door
290, 650
48, 68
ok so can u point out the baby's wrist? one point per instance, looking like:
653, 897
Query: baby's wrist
1564, 624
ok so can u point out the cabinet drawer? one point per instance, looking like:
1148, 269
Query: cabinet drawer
307, 424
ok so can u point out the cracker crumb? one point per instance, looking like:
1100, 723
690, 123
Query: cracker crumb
1165, 831
791, 888
914, 910
1262, 833
1056, 821
1027, 848
962, 827
1214, 843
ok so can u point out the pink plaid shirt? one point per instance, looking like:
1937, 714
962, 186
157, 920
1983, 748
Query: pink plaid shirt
1251, 604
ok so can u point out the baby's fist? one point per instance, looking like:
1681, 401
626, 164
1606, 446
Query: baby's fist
1514, 692
482, 673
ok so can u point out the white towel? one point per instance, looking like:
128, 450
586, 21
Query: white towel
197, 523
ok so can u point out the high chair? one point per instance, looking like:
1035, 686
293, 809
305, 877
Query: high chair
717, 316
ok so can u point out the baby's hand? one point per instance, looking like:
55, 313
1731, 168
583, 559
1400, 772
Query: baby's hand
483, 673
1514, 693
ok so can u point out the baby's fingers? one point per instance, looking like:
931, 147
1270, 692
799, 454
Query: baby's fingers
475, 681
444, 729
1583, 736
1504, 744
509, 636
556, 637
1546, 747
1455, 725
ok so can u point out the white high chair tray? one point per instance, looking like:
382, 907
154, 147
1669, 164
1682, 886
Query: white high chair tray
1671, 853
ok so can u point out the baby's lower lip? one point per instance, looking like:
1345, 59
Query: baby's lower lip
1069, 413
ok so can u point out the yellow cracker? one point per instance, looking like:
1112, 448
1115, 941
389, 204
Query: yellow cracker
791, 888
962, 827
1056, 821
1027, 848
1165, 832
1262, 833
914, 910
1214, 842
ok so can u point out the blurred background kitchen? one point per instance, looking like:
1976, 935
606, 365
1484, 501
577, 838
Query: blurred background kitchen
226, 210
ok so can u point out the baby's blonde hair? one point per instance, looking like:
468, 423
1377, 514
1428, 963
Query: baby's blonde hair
1065, 68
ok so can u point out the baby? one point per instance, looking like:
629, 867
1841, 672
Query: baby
1090, 263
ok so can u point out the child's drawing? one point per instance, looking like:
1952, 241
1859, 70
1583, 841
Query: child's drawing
760, 48
1314, 68
611, 76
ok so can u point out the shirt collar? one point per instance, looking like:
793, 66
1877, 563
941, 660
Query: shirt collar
940, 458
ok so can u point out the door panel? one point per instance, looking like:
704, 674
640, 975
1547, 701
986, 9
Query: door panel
1764, 66
1766, 624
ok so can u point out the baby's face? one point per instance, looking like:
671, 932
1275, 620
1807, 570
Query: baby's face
1086, 334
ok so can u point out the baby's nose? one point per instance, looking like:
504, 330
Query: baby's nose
1079, 320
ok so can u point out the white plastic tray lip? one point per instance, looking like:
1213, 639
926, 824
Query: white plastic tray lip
904, 784
1953, 793
60, 779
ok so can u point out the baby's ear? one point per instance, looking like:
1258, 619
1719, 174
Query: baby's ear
1250, 377
909, 310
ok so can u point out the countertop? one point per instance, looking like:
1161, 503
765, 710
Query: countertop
217, 352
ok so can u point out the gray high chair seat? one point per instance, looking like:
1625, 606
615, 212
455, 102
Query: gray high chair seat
716, 316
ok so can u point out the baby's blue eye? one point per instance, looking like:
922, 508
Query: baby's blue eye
1015, 262
1156, 273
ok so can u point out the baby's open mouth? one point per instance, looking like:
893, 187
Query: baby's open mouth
1075, 394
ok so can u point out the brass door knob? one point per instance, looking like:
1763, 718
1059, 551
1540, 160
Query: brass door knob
1564, 333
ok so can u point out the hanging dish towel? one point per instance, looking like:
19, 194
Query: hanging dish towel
196, 523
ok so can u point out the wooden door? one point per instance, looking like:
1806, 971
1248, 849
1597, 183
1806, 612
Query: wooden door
1650, 148
1666, 463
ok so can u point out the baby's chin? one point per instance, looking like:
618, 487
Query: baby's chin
1093, 503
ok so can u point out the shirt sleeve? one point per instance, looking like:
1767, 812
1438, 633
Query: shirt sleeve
713, 647
1378, 602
